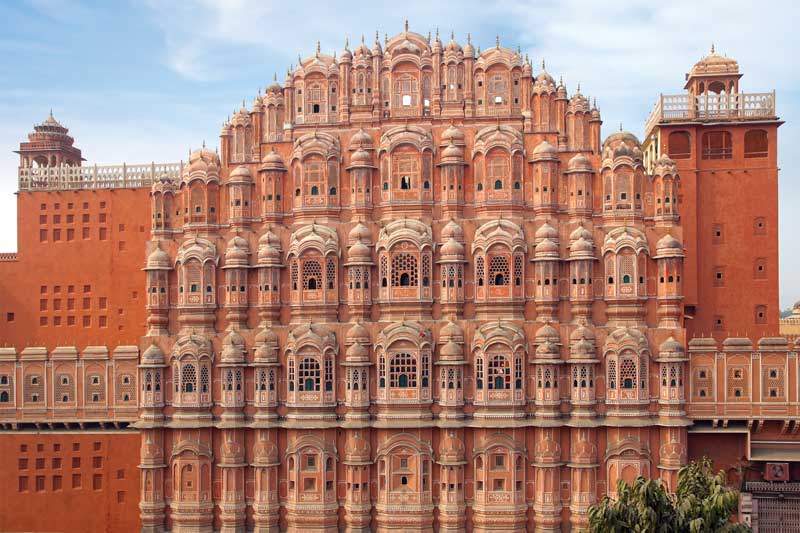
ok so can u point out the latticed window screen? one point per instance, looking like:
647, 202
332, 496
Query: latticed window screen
479, 270
496, 171
404, 270
328, 374
424, 371
773, 383
626, 269
64, 388
406, 171
627, 373
479, 372
499, 373
308, 375
204, 379
612, 374
702, 382
518, 270
405, 91
262, 380
403, 370
157, 382
229, 379
643, 373
737, 383
95, 388
125, 388
34, 388
498, 271
426, 269
330, 274
312, 275
498, 89
189, 378
294, 275
313, 177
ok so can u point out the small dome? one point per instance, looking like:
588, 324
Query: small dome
359, 232
796, 305
582, 332
668, 242
357, 334
269, 248
451, 351
153, 355
544, 77
581, 247
623, 150
452, 134
236, 251
546, 247
545, 147
621, 137
357, 353
266, 350
272, 161
241, 173
452, 248
670, 346
452, 152
361, 139
360, 157
359, 252
547, 333
714, 63
665, 166
580, 232
266, 335
579, 163
546, 231
233, 348
158, 260
451, 332
265, 452
452, 230
453, 46
469, 50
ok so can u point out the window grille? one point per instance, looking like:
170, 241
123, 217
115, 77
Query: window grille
125, 388
204, 379
189, 378
404, 270
479, 373
308, 375
312, 275
403, 371
499, 373
612, 374
330, 274
498, 271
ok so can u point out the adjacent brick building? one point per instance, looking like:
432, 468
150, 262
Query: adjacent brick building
414, 290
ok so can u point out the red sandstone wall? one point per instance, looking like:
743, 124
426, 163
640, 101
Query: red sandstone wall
46, 490
729, 195
78, 278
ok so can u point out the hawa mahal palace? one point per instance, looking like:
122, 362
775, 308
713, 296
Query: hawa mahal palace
413, 290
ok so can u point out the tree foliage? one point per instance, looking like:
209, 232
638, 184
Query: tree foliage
702, 503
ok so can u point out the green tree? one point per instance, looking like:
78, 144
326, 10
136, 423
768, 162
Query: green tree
702, 503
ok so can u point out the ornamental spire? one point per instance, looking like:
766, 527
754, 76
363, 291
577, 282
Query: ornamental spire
497, 41
406, 25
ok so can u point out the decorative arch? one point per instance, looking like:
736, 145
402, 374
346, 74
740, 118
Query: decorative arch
499, 352
311, 352
627, 360
499, 463
405, 255
196, 263
625, 255
315, 162
404, 351
498, 251
405, 467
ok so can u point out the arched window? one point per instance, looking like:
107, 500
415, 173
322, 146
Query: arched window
499, 271
406, 91
499, 373
403, 371
308, 375
680, 145
405, 168
627, 373
404, 270
717, 145
4, 397
189, 378
756, 144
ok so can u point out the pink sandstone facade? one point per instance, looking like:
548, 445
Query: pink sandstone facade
413, 291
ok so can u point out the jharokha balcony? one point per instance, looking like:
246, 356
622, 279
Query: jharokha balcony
711, 107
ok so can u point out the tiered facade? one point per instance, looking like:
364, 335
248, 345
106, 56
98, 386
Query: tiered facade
413, 291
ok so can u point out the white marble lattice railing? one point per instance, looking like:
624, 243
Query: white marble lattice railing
96, 177
710, 106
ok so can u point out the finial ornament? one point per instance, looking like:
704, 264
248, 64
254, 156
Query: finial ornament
452, 35
469, 38
579, 86
712, 48
406, 25
347, 42
275, 77
437, 33
543, 64
620, 126
497, 41
318, 48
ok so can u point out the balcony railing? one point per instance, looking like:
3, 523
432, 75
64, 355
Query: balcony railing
711, 107
96, 177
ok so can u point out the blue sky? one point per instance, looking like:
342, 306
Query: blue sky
142, 81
